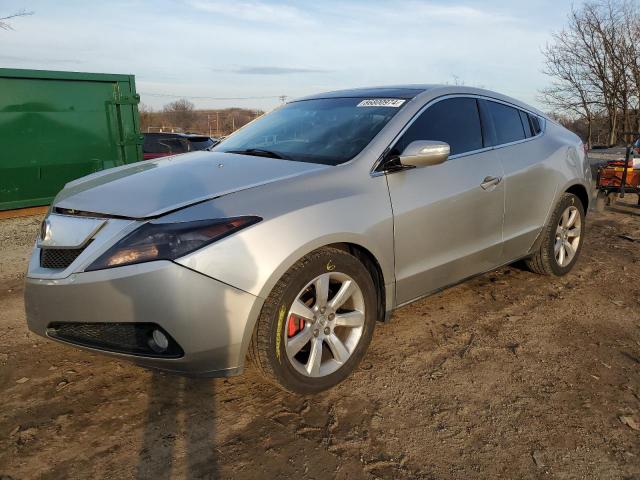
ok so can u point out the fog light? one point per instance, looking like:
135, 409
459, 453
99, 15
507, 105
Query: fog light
159, 341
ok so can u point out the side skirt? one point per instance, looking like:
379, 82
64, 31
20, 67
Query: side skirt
438, 290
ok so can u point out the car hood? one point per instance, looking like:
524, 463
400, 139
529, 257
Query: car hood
154, 187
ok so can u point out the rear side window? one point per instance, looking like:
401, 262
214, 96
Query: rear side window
455, 121
169, 146
507, 123
175, 145
153, 145
164, 144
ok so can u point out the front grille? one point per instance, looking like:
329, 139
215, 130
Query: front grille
58, 257
130, 338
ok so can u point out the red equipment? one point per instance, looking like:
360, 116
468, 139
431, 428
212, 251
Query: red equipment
618, 177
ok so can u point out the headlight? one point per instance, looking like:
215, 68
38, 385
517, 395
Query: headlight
168, 241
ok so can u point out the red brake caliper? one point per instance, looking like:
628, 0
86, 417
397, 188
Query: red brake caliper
295, 325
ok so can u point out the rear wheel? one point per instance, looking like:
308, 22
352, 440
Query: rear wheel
561, 239
317, 323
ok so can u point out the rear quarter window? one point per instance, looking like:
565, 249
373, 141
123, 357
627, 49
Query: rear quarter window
524, 117
536, 124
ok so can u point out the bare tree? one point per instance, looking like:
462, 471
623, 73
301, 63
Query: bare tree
571, 92
146, 116
600, 28
180, 113
5, 21
631, 50
594, 64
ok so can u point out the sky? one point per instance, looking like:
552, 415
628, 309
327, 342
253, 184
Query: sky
247, 53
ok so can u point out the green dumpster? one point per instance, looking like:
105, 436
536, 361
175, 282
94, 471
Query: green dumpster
59, 126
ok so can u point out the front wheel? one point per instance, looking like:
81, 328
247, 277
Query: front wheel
561, 239
316, 324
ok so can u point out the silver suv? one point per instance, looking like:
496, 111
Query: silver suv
299, 232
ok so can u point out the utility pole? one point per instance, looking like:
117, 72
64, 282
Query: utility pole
218, 124
209, 123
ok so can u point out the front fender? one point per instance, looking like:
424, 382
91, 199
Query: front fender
255, 259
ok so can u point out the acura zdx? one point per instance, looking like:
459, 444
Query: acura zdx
290, 239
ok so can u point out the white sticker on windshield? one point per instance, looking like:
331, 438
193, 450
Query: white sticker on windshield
381, 102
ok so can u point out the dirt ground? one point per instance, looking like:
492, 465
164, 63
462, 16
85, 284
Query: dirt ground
510, 375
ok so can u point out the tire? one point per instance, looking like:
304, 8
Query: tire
273, 332
545, 261
601, 201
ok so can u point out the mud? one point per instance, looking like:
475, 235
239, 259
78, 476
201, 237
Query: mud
509, 375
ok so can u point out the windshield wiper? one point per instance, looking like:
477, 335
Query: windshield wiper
259, 152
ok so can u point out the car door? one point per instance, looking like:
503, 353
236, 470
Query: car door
529, 173
447, 217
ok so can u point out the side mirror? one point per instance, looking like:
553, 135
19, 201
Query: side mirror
421, 153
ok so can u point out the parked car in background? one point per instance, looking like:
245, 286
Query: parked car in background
293, 237
158, 145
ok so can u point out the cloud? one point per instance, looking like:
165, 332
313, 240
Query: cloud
274, 70
252, 11
23, 59
273, 47
428, 15
459, 13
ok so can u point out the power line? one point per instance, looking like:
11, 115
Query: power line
168, 95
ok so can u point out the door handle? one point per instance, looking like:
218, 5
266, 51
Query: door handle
489, 182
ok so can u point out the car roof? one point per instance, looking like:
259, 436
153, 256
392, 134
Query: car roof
394, 91
413, 90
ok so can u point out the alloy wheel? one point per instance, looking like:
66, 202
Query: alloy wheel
567, 236
324, 324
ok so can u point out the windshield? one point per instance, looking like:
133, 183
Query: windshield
328, 131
